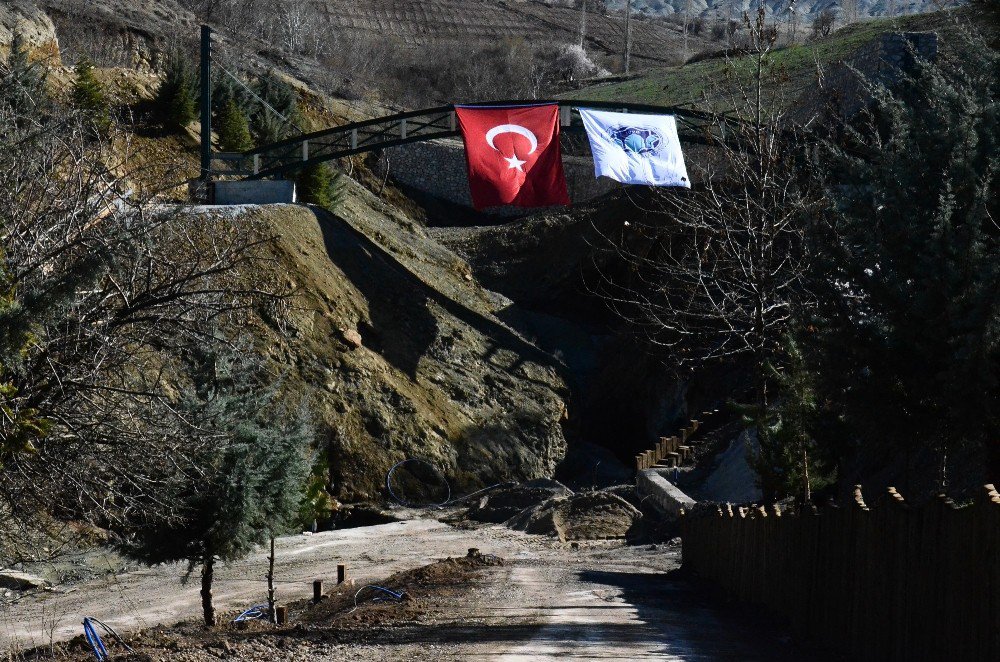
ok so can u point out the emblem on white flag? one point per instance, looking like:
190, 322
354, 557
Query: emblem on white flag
636, 149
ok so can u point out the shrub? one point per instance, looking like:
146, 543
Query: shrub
319, 185
89, 98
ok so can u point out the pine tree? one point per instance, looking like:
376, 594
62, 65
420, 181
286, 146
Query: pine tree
789, 460
177, 95
318, 185
22, 82
274, 123
89, 97
234, 129
252, 466
910, 327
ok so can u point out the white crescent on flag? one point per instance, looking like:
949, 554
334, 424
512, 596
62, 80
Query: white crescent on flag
512, 128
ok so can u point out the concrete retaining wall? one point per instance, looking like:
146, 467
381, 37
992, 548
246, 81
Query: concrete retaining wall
665, 496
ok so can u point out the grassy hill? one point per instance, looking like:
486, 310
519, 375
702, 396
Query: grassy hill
709, 81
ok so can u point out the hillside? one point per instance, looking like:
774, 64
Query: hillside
711, 81
423, 22
401, 352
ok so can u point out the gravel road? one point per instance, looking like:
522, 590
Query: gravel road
599, 601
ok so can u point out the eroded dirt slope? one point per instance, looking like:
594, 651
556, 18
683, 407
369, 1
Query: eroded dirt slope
401, 353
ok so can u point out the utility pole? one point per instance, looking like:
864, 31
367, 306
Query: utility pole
628, 34
206, 103
794, 18
687, 26
583, 24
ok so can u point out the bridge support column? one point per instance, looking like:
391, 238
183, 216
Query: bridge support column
206, 103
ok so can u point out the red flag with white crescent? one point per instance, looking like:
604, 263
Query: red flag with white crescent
513, 155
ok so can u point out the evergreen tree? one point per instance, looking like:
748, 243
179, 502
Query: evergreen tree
789, 460
22, 82
226, 90
274, 123
319, 185
89, 97
234, 129
177, 95
251, 464
910, 326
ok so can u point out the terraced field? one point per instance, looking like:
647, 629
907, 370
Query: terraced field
425, 22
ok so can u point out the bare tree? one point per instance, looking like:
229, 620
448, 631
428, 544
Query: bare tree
715, 274
104, 288
627, 57
687, 25
823, 23
849, 9
793, 18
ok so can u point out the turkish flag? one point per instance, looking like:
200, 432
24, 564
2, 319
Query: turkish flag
513, 155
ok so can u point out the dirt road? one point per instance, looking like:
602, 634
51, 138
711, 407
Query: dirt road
602, 601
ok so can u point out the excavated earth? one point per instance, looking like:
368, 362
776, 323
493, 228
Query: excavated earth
400, 351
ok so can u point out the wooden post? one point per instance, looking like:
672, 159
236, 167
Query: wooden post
282, 612
859, 499
341, 573
317, 590
270, 584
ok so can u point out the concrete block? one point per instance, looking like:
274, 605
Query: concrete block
664, 495
254, 192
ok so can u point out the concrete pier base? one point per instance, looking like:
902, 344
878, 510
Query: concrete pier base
253, 192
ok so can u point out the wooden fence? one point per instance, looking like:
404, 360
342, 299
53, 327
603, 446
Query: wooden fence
672, 451
892, 582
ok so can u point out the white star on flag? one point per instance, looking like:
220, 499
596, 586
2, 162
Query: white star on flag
514, 162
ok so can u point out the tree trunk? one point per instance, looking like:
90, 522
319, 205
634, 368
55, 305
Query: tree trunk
628, 35
806, 491
272, 613
207, 574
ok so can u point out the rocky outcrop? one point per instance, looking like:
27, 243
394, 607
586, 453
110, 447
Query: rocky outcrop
24, 17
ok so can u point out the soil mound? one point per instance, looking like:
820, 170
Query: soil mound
585, 516
506, 502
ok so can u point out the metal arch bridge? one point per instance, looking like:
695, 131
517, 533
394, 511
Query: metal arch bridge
415, 126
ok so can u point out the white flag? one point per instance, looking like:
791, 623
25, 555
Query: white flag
636, 149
